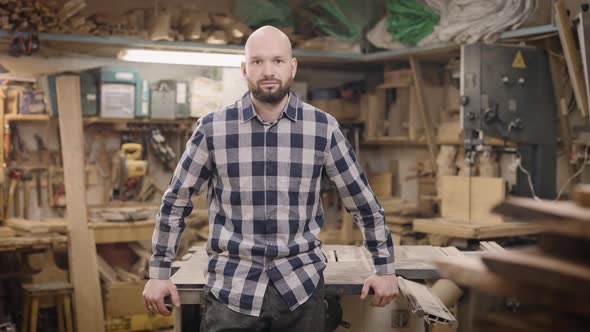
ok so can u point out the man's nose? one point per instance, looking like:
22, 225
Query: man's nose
267, 70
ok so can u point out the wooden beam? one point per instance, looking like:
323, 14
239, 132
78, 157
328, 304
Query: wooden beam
423, 108
555, 69
572, 58
82, 249
2, 124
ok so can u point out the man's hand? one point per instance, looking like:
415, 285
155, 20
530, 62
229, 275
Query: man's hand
154, 293
385, 288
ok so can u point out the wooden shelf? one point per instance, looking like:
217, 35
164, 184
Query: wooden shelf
99, 120
311, 56
124, 231
27, 117
393, 141
456, 229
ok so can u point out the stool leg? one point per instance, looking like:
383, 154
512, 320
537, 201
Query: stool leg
26, 313
60, 312
34, 312
68, 310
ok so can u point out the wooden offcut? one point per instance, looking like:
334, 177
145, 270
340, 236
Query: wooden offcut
572, 57
456, 229
556, 273
422, 107
425, 304
81, 248
468, 199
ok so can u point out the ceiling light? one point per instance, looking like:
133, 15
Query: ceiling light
182, 58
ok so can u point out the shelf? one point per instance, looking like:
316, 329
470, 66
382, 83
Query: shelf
122, 42
393, 141
27, 117
311, 56
528, 32
123, 231
99, 120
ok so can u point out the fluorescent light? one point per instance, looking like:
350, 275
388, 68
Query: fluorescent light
182, 58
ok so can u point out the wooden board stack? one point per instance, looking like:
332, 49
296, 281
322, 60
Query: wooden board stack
551, 281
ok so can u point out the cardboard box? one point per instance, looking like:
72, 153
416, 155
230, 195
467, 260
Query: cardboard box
397, 78
124, 298
144, 322
342, 110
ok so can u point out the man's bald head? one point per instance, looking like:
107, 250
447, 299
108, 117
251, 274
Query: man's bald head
268, 38
269, 66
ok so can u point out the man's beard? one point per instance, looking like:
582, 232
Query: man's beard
267, 96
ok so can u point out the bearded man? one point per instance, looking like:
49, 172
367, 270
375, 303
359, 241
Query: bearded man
260, 162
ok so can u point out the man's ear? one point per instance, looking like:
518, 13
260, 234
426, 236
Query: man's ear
243, 67
293, 67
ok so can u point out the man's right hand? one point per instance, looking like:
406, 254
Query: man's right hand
154, 293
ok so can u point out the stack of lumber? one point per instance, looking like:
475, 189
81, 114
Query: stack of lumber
18, 233
126, 267
551, 281
399, 215
172, 23
37, 227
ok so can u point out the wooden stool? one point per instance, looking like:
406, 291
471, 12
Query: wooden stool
61, 291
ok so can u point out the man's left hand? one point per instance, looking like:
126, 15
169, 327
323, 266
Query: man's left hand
385, 288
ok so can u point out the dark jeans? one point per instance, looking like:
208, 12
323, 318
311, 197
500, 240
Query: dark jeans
275, 314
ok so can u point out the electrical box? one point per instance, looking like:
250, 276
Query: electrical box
169, 100
87, 90
119, 90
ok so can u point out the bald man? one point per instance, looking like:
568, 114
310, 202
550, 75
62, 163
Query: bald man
260, 161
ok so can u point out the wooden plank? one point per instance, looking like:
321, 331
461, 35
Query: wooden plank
531, 320
82, 250
568, 247
116, 232
423, 108
346, 271
2, 124
6, 231
455, 202
471, 198
556, 66
572, 57
558, 217
556, 272
491, 246
38, 226
442, 226
472, 272
31, 242
107, 272
423, 303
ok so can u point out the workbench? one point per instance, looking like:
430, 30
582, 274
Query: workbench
345, 273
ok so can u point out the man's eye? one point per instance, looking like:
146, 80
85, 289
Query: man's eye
279, 61
257, 62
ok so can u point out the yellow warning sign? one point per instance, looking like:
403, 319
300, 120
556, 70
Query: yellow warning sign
518, 61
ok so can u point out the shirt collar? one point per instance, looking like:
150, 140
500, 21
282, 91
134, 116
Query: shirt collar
290, 111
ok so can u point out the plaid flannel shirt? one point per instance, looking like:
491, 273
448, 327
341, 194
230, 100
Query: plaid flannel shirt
263, 192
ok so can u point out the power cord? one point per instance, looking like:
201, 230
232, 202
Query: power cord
576, 174
520, 167
529, 179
